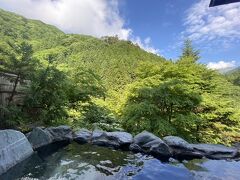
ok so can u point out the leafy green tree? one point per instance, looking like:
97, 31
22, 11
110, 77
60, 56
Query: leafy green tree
19, 62
159, 106
84, 87
47, 95
17, 59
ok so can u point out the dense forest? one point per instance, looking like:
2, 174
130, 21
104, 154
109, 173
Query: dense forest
113, 84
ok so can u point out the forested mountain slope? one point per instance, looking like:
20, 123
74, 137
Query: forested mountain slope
113, 60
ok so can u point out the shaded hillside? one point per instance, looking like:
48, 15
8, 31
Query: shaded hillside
234, 76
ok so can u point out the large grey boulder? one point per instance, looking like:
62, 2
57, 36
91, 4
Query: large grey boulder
113, 139
60, 133
181, 149
123, 138
177, 142
96, 134
82, 136
40, 137
237, 146
215, 151
14, 148
149, 143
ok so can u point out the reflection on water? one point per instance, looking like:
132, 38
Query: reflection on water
92, 162
218, 169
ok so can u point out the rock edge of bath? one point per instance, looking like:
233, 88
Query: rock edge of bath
144, 142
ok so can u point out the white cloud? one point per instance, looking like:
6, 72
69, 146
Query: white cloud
146, 44
215, 23
221, 65
91, 17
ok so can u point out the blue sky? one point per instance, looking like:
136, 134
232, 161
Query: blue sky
164, 22
158, 26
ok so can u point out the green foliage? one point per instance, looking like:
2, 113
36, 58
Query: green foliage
47, 92
95, 116
13, 117
84, 85
18, 60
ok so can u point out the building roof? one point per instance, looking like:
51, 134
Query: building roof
222, 2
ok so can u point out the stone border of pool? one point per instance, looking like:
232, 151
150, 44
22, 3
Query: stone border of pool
15, 147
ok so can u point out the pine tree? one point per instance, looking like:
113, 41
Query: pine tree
188, 52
